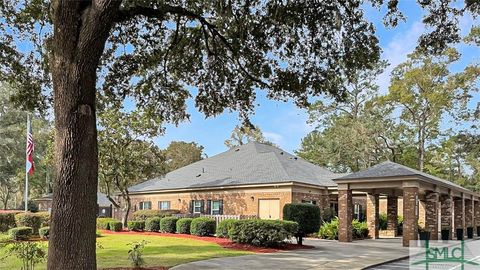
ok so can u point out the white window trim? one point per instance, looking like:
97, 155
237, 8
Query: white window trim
160, 205
212, 209
195, 206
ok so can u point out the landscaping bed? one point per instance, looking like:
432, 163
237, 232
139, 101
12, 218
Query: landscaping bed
223, 242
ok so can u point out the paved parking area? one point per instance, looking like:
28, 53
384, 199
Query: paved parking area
326, 255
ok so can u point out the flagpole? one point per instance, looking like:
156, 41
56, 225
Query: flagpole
26, 171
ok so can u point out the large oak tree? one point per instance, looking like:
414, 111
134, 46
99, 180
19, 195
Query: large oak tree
149, 51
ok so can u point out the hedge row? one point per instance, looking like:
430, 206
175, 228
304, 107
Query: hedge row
33, 220
145, 214
7, 221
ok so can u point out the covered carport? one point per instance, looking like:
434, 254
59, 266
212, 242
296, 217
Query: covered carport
447, 205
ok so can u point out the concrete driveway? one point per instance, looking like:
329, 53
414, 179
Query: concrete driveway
326, 255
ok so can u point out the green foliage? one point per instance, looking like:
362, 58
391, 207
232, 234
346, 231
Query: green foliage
136, 225
32, 220
183, 225
135, 253
115, 226
224, 226
152, 224
45, 218
168, 224
360, 229
202, 226
306, 215
144, 214
44, 232
181, 154
382, 221
257, 232
329, 230
30, 253
244, 134
7, 221
20, 233
104, 223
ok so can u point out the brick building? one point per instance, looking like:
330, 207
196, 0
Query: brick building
258, 179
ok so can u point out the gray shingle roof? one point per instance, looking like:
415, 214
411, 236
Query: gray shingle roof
392, 169
252, 163
102, 199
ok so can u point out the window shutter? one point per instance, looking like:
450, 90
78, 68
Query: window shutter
202, 207
190, 208
221, 208
209, 207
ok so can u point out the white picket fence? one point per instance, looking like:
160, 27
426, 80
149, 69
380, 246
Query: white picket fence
219, 218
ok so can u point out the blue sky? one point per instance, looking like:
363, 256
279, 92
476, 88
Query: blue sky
282, 122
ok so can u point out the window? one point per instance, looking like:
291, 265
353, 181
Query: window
145, 205
164, 205
197, 206
310, 202
215, 208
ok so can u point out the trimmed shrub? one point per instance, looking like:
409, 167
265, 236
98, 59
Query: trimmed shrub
104, 223
183, 225
44, 232
115, 226
306, 215
203, 226
224, 226
168, 224
7, 221
29, 220
152, 224
329, 230
136, 225
257, 232
144, 214
360, 229
382, 221
20, 233
45, 218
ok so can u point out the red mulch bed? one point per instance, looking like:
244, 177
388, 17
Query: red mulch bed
138, 268
223, 242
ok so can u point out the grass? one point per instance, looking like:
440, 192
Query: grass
160, 251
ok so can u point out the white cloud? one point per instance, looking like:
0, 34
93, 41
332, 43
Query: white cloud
273, 137
397, 50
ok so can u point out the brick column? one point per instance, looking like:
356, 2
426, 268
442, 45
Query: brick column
477, 215
459, 219
392, 213
345, 215
446, 202
410, 215
431, 214
468, 213
373, 219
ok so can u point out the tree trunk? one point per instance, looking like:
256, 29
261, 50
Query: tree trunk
421, 149
128, 206
80, 32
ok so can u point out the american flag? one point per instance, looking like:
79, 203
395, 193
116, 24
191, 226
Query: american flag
30, 147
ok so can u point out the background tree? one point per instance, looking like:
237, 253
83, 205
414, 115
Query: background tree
181, 154
12, 151
244, 134
355, 133
127, 155
291, 49
425, 89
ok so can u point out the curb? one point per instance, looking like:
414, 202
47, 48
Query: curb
385, 262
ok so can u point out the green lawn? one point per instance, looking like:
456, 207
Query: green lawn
160, 251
